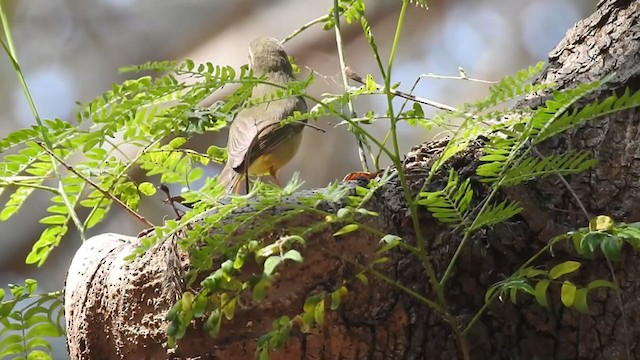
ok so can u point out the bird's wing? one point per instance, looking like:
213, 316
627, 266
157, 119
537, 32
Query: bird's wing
241, 134
270, 133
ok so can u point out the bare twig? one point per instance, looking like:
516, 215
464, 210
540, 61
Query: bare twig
461, 77
357, 78
343, 70
306, 26
569, 188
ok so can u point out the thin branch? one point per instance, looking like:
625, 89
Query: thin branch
305, 27
94, 185
569, 188
345, 83
461, 77
359, 79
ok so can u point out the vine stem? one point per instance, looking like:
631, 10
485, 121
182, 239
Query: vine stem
422, 252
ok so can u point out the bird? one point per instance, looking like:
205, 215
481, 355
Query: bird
258, 144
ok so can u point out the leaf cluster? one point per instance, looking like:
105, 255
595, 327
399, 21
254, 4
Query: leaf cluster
28, 320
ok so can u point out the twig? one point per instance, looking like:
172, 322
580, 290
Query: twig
315, 127
357, 78
461, 77
622, 312
345, 83
566, 185
94, 185
305, 26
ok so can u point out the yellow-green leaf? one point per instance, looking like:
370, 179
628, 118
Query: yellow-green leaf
147, 188
346, 229
601, 223
563, 269
580, 301
567, 293
540, 292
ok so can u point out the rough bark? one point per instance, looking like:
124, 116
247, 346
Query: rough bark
115, 310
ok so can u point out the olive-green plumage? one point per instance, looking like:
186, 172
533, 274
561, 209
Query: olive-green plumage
257, 143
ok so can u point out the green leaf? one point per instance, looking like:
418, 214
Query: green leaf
612, 248
200, 305
450, 204
346, 229
229, 308
212, 325
6, 307
195, 174
363, 278
45, 329
496, 213
11, 349
580, 302
602, 283
343, 212
54, 220
10, 339
177, 142
147, 188
38, 355
567, 293
174, 327
293, 255
319, 312
271, 263
530, 168
532, 272
390, 239
630, 234
564, 268
540, 292
335, 299
590, 242
259, 290
31, 286
38, 342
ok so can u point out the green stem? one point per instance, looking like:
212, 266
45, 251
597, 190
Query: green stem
11, 53
422, 253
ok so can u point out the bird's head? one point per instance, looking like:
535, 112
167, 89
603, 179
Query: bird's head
266, 55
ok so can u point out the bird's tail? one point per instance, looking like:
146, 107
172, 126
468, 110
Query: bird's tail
230, 179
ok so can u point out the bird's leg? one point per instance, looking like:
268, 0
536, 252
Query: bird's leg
274, 175
236, 188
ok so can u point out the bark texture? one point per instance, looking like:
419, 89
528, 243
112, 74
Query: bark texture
115, 310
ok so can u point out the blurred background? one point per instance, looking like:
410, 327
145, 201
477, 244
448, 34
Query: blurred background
70, 51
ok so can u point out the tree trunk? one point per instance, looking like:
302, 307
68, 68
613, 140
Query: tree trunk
116, 310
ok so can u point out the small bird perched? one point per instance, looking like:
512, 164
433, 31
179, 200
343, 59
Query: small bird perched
258, 144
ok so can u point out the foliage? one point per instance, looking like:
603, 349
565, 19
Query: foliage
157, 116
28, 320
603, 234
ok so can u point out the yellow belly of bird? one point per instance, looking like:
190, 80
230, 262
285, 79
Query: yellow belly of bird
270, 163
